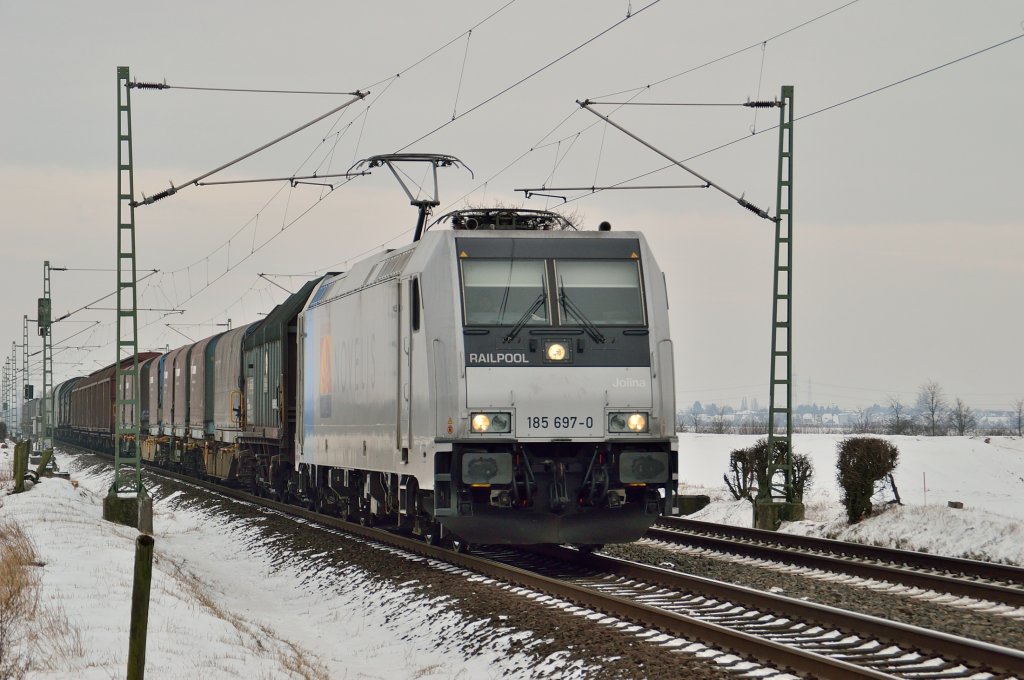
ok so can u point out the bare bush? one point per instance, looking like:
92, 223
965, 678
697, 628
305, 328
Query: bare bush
803, 474
861, 464
718, 424
740, 477
750, 470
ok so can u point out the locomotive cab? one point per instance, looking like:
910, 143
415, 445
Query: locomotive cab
567, 428
505, 381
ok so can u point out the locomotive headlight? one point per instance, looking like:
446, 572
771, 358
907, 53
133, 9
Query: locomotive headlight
555, 351
637, 422
627, 422
491, 422
481, 422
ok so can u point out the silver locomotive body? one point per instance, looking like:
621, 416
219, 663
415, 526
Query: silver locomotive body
502, 386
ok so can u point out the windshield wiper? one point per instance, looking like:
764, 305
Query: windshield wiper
587, 324
525, 317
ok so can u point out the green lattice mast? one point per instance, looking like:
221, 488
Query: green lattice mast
127, 450
780, 401
45, 328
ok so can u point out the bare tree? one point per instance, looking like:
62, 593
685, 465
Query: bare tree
1019, 406
898, 421
718, 422
961, 417
862, 423
931, 404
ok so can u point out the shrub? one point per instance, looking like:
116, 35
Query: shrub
803, 474
740, 478
749, 470
861, 464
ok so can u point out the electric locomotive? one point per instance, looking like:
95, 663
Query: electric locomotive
507, 380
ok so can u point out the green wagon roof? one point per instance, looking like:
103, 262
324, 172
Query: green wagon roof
275, 325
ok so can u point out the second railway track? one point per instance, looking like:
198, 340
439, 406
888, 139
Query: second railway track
999, 584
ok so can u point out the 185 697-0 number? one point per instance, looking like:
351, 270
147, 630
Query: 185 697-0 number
558, 422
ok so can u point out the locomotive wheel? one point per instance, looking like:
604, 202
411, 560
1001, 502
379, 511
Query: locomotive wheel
587, 548
459, 545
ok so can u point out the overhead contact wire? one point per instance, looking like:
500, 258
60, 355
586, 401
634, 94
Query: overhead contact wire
531, 75
227, 245
725, 56
442, 47
812, 113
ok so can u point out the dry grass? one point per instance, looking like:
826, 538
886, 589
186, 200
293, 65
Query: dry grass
32, 636
19, 600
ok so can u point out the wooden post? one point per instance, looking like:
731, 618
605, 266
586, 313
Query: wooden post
47, 455
140, 607
21, 464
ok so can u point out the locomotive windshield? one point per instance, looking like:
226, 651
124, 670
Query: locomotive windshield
600, 292
500, 292
516, 292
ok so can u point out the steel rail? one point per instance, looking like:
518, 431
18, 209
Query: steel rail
713, 635
952, 565
950, 647
942, 583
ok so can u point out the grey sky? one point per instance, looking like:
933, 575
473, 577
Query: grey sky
908, 228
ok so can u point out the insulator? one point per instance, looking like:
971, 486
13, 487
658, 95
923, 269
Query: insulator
149, 86
762, 104
754, 209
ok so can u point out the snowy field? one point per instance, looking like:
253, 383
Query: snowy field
212, 613
215, 606
985, 474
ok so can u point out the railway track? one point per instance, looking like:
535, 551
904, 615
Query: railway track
986, 581
783, 633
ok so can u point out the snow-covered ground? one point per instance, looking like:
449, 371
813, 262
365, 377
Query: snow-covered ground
215, 609
985, 474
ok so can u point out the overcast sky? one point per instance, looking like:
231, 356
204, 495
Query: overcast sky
909, 247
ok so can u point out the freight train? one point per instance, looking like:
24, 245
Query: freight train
508, 379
